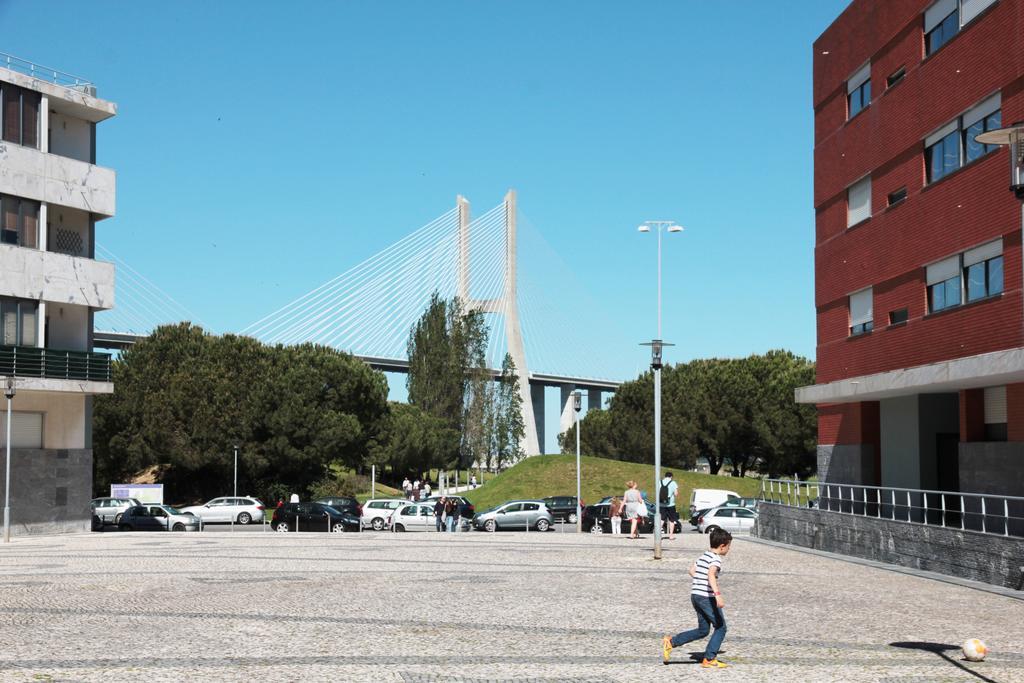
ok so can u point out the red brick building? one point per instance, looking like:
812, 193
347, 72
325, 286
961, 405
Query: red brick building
918, 277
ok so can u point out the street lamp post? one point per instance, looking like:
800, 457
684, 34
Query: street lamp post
657, 346
577, 400
9, 393
236, 472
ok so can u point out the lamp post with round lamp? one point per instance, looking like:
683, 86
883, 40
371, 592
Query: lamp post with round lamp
657, 347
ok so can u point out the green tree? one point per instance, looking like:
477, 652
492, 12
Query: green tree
509, 428
413, 441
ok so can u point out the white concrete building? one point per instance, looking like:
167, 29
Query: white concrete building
52, 194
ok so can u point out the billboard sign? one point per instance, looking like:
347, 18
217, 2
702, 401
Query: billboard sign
144, 493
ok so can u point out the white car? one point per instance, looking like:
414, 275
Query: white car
377, 512
228, 509
110, 510
730, 518
419, 517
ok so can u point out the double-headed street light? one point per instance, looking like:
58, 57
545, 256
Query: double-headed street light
9, 393
577, 405
657, 347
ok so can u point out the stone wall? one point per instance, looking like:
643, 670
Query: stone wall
965, 554
50, 490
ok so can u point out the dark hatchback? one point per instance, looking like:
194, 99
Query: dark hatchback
597, 521
563, 508
313, 517
342, 504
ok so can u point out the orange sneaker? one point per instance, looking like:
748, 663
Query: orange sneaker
713, 664
666, 649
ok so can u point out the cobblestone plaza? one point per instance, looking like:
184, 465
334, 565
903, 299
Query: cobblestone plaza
471, 607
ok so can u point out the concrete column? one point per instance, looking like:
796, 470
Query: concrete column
594, 400
43, 237
537, 402
462, 204
44, 124
568, 411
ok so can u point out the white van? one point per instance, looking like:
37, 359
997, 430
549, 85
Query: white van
704, 499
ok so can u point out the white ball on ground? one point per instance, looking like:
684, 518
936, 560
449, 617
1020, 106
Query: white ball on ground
974, 650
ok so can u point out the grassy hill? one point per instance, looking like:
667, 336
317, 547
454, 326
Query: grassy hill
555, 475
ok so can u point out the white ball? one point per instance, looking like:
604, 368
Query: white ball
974, 650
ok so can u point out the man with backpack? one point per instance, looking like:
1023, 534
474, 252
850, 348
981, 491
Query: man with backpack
667, 503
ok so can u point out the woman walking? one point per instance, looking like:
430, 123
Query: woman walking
633, 502
615, 514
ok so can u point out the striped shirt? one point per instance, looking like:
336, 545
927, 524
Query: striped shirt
705, 562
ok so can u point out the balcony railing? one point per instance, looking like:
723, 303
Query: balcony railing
30, 361
47, 74
986, 513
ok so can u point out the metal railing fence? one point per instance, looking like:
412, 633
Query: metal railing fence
985, 513
31, 361
44, 73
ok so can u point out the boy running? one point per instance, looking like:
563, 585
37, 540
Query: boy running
707, 601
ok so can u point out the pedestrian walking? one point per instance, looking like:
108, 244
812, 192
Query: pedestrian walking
472, 482
458, 514
439, 513
667, 503
706, 598
615, 515
426, 489
633, 501
449, 514
407, 488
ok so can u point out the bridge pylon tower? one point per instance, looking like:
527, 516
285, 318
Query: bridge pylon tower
507, 305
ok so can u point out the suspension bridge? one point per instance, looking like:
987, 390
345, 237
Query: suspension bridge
369, 309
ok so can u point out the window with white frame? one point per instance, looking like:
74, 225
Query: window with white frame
945, 18
861, 314
953, 145
858, 91
858, 202
944, 284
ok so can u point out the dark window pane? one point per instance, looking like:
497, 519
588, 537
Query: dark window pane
865, 96
938, 297
12, 113
935, 162
28, 235
993, 122
976, 282
952, 291
30, 118
995, 275
951, 153
897, 317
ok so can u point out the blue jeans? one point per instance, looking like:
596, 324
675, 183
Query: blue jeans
708, 615
438, 521
450, 523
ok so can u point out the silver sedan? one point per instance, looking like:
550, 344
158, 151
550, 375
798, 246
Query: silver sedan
515, 514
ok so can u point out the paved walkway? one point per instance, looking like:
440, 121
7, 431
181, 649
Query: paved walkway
470, 608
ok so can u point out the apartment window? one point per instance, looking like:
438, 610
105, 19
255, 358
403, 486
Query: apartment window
858, 202
980, 119
18, 322
858, 91
895, 77
897, 196
953, 145
944, 284
983, 270
897, 317
861, 317
19, 109
19, 221
945, 18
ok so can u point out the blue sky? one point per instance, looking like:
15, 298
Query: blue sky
264, 147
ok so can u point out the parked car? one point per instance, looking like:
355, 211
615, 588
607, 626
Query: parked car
749, 503
515, 514
342, 504
563, 508
109, 510
313, 517
157, 518
468, 509
705, 499
228, 509
597, 521
420, 517
731, 518
377, 512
